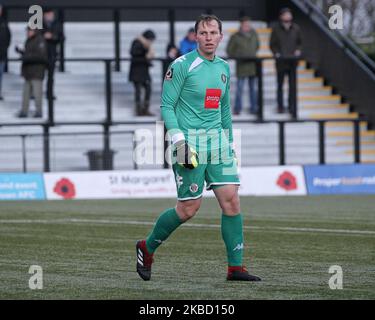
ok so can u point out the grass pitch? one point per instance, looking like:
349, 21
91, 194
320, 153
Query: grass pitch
87, 249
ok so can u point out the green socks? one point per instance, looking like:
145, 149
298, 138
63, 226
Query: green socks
231, 231
167, 222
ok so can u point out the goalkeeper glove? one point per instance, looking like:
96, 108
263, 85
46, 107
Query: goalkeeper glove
185, 155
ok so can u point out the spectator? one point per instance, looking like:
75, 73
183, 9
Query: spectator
34, 63
244, 44
172, 53
188, 43
286, 42
4, 45
53, 33
142, 52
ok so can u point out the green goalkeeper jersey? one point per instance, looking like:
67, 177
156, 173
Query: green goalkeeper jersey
195, 102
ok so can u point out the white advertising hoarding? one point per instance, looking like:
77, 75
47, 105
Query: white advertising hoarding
272, 181
135, 184
110, 184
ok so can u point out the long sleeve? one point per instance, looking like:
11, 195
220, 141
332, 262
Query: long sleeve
299, 39
231, 48
172, 86
57, 32
257, 41
8, 37
35, 51
226, 114
274, 42
138, 51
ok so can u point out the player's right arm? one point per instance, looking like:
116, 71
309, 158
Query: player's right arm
172, 86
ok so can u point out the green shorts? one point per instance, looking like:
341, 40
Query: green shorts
216, 168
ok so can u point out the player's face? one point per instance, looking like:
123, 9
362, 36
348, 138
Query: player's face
208, 37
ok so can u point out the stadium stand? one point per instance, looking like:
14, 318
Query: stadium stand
80, 92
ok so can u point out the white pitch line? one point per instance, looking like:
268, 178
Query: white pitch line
191, 225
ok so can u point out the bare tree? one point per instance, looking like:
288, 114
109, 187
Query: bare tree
351, 7
359, 14
369, 6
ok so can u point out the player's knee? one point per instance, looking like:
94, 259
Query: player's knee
231, 204
187, 209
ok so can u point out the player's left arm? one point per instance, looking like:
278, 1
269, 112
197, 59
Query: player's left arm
226, 113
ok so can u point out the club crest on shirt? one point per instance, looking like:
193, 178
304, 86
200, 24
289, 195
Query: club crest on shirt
223, 78
193, 187
169, 74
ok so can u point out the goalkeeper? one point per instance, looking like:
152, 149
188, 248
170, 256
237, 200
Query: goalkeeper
196, 110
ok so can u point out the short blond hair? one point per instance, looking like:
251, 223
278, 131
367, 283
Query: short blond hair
207, 18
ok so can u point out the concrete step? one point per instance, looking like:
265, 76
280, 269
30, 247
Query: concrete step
324, 99
337, 115
302, 72
317, 91
81, 96
349, 134
369, 144
343, 126
305, 112
310, 81
321, 106
301, 75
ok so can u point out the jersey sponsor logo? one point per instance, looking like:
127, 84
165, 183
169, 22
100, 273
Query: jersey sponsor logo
212, 99
169, 74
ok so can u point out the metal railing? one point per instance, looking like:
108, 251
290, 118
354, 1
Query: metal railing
116, 19
106, 136
315, 13
359, 101
108, 121
46, 137
164, 62
347, 69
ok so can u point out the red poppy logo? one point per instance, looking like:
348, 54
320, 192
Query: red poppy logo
287, 181
65, 188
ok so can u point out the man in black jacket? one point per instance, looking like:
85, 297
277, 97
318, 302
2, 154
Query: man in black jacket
34, 62
142, 52
53, 34
4, 45
286, 42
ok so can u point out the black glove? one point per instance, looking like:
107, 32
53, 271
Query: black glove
185, 155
